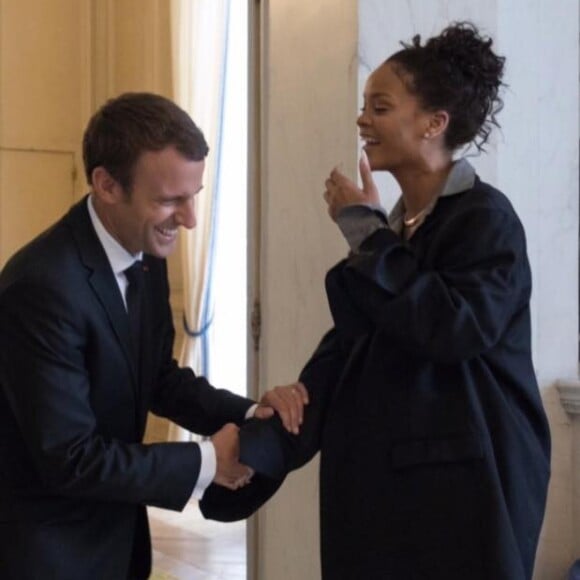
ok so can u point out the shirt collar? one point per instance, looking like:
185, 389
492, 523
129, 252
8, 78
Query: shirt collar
119, 258
460, 178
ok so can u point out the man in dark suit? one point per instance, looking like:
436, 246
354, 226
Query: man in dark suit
86, 343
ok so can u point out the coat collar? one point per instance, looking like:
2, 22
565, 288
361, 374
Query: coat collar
461, 178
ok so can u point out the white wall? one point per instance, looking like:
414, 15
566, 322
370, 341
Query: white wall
538, 166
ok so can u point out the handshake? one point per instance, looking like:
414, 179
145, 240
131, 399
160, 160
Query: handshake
288, 401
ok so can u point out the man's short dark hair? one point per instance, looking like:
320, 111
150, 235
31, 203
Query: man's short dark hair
129, 125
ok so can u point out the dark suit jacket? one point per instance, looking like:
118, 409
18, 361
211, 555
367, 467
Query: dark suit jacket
74, 475
435, 448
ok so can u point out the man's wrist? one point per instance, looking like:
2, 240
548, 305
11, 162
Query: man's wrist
207, 470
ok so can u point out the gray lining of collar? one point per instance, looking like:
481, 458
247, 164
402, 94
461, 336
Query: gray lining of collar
460, 178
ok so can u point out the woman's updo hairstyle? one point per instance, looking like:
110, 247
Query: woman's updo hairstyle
457, 72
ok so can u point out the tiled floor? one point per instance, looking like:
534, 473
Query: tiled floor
188, 547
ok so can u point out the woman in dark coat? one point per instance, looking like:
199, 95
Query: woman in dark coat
434, 444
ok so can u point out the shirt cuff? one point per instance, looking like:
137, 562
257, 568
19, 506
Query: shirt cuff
358, 222
207, 469
250, 412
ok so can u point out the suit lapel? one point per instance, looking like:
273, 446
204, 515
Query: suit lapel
106, 290
101, 277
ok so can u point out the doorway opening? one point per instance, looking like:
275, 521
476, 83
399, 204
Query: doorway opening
187, 547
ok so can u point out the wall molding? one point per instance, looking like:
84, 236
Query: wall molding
569, 391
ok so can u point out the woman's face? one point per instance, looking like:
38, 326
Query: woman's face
392, 124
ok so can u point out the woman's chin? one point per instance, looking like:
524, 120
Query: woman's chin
374, 157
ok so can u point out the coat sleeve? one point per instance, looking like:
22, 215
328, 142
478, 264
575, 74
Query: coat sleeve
450, 312
47, 389
267, 446
273, 452
191, 402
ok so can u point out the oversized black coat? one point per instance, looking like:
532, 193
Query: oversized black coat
435, 448
74, 475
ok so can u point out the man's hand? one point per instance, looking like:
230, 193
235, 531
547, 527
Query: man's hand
288, 401
341, 191
230, 472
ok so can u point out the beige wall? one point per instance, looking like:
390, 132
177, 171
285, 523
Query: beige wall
309, 109
41, 114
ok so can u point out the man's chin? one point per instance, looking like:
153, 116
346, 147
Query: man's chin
161, 251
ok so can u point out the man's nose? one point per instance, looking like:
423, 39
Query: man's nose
186, 216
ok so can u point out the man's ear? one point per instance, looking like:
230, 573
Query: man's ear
107, 189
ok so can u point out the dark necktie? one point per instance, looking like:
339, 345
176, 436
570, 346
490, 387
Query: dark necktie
134, 297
